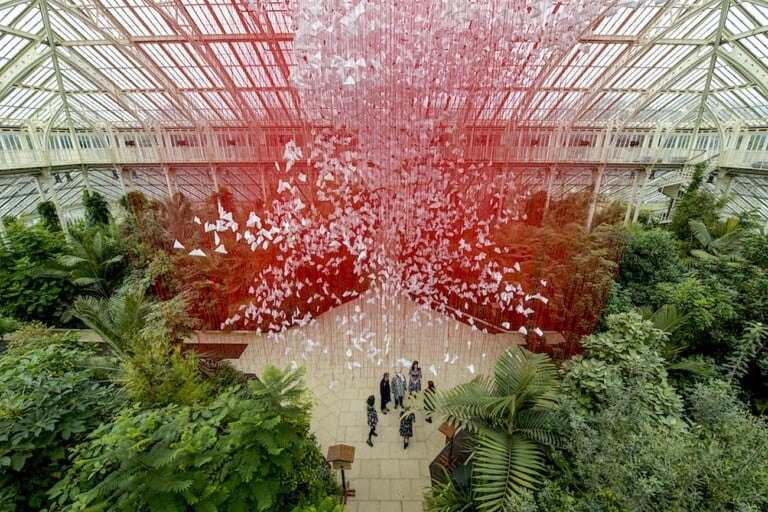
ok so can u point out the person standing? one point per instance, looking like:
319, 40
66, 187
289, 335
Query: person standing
398, 388
385, 394
429, 400
406, 425
414, 386
373, 419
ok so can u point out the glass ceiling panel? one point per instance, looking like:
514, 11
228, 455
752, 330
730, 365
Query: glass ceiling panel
209, 67
10, 46
31, 21
728, 76
757, 46
700, 26
737, 22
279, 21
228, 18
9, 14
150, 20
757, 11
85, 30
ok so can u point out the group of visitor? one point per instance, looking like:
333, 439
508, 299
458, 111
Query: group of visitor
396, 387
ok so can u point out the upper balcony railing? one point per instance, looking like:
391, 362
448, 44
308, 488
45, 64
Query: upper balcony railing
24, 152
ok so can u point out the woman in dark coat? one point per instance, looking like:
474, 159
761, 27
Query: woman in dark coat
386, 397
373, 418
406, 425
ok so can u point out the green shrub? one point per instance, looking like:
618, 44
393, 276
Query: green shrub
246, 450
51, 399
24, 295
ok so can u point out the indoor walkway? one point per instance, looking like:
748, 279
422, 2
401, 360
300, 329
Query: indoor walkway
385, 477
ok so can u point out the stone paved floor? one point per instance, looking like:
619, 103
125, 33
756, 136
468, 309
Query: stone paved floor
385, 477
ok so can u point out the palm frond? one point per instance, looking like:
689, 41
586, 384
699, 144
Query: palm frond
700, 232
503, 466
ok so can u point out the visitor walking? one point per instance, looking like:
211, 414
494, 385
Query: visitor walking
385, 394
398, 388
373, 419
429, 400
414, 386
406, 425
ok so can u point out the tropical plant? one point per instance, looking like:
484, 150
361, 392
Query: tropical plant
93, 261
242, 451
52, 398
116, 320
726, 246
752, 342
156, 375
34, 336
455, 495
513, 415
621, 458
696, 203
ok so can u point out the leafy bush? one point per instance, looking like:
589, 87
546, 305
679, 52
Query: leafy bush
246, 450
622, 459
649, 258
624, 359
35, 336
156, 375
96, 209
23, 295
51, 400
8, 325
49, 216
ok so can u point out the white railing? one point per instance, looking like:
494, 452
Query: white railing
154, 155
744, 159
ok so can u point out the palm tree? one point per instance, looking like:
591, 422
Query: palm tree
94, 262
115, 320
513, 416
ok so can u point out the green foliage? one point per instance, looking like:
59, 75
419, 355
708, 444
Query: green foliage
733, 448
156, 375
708, 307
240, 452
513, 415
648, 259
696, 204
35, 335
624, 359
327, 504
116, 320
49, 216
747, 351
96, 209
51, 399
93, 260
24, 295
8, 325
455, 495
621, 459
755, 248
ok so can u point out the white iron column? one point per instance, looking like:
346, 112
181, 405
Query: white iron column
597, 180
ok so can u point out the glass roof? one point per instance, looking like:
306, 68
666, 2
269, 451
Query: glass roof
149, 63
